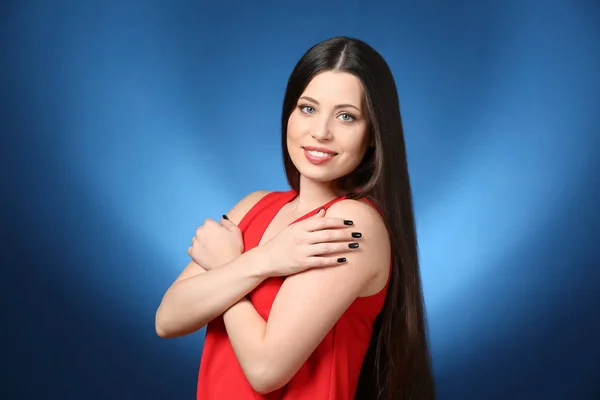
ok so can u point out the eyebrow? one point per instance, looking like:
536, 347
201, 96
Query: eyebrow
338, 106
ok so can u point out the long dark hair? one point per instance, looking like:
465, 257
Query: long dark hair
397, 364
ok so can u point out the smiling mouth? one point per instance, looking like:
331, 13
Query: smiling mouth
319, 153
317, 157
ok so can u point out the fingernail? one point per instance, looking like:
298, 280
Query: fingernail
225, 217
353, 245
321, 209
348, 222
356, 234
341, 260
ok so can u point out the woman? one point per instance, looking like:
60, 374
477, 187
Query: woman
315, 293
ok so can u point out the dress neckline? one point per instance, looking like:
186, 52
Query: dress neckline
292, 194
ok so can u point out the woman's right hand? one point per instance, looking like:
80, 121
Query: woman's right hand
317, 241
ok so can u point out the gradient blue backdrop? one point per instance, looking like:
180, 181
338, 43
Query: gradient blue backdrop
126, 123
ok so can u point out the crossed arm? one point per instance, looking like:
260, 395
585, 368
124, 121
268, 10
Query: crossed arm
307, 305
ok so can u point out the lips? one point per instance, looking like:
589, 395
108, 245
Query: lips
318, 155
320, 150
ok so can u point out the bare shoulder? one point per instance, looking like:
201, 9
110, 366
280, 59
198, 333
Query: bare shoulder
363, 215
360, 209
244, 205
374, 245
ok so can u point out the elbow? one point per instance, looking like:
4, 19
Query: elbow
169, 325
161, 325
266, 378
162, 333
263, 385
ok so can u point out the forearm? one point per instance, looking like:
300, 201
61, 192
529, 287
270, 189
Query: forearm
246, 330
191, 303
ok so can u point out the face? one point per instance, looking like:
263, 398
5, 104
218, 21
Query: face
327, 132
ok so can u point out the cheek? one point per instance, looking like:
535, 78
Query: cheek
359, 143
294, 125
293, 134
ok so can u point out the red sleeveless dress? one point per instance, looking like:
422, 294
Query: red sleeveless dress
332, 370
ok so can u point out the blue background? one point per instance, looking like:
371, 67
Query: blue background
126, 123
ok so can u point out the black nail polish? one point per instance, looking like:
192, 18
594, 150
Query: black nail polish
353, 245
356, 234
341, 260
348, 222
225, 217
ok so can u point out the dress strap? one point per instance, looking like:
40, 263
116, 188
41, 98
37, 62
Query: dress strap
313, 212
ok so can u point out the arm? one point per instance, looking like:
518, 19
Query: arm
198, 296
307, 306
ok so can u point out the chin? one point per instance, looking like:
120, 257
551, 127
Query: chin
319, 173
321, 178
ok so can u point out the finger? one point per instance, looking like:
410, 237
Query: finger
333, 235
209, 221
320, 213
318, 262
312, 225
226, 223
323, 249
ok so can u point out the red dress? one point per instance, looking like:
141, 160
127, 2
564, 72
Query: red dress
330, 373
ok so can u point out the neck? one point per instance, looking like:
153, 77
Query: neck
313, 194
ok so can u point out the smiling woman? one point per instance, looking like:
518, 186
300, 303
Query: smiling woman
319, 118
315, 292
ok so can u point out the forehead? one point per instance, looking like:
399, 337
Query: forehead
335, 87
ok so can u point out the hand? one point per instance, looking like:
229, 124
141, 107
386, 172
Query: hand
216, 244
317, 241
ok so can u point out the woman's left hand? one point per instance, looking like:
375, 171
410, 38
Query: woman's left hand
216, 244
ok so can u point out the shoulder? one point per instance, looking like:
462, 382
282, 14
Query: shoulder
245, 204
361, 213
374, 245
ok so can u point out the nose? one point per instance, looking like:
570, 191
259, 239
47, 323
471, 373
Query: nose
321, 130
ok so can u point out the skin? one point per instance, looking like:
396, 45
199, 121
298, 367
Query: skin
330, 114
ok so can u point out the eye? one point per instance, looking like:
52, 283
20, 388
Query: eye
347, 117
306, 109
